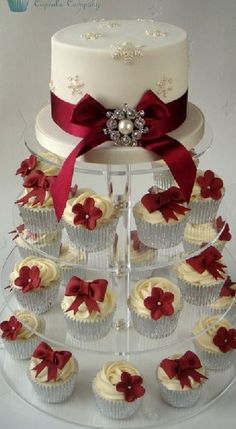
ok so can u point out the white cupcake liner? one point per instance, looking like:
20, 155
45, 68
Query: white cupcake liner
161, 328
203, 211
214, 361
160, 236
163, 178
116, 409
199, 295
180, 398
69, 271
50, 249
191, 247
18, 5
88, 331
39, 220
39, 300
55, 392
98, 239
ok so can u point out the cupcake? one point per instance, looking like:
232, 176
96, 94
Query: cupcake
20, 333
198, 235
201, 277
35, 282
141, 257
161, 218
18, 5
118, 390
215, 342
52, 373
90, 221
155, 305
180, 379
36, 204
47, 162
32, 243
88, 308
70, 261
226, 300
207, 194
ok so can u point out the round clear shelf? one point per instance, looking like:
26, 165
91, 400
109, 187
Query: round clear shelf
121, 340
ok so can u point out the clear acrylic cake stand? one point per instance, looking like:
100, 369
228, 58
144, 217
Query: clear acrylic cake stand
120, 183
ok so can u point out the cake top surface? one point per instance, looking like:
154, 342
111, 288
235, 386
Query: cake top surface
103, 34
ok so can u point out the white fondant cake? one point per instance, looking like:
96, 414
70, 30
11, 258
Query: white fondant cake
116, 62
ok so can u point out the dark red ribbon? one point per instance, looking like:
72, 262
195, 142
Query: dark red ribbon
51, 359
88, 118
40, 184
183, 368
208, 260
87, 292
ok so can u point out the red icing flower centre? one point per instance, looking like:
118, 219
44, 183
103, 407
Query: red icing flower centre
211, 186
130, 386
159, 303
86, 214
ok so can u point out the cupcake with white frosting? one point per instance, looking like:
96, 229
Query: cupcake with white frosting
201, 277
35, 282
52, 373
198, 235
71, 260
206, 197
225, 301
161, 217
90, 220
155, 305
20, 332
118, 389
180, 379
215, 342
88, 308
47, 162
32, 243
141, 257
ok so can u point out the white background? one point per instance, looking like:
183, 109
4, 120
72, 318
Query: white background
24, 77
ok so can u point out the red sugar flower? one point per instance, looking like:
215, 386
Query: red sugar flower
168, 202
225, 339
27, 166
159, 303
221, 225
29, 278
10, 328
208, 260
210, 185
226, 289
86, 214
131, 386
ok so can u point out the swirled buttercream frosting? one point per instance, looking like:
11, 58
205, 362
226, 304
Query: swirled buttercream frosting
49, 271
209, 325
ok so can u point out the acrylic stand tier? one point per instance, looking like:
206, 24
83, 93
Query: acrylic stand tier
124, 185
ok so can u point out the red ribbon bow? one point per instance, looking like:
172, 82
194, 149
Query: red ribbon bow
10, 328
226, 289
223, 227
88, 119
167, 202
87, 292
40, 184
53, 360
208, 260
184, 368
27, 166
130, 386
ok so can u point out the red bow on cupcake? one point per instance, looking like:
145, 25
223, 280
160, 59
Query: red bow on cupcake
208, 260
168, 202
40, 184
223, 228
226, 289
87, 292
183, 368
50, 359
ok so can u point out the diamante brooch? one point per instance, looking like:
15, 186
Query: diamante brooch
125, 126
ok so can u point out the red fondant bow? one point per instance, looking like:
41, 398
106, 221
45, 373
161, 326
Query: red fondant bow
208, 260
183, 368
167, 202
87, 292
223, 228
227, 289
53, 360
39, 184
88, 119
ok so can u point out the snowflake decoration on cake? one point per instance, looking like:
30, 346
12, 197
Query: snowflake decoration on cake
51, 86
92, 35
103, 23
75, 85
156, 33
127, 52
164, 86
